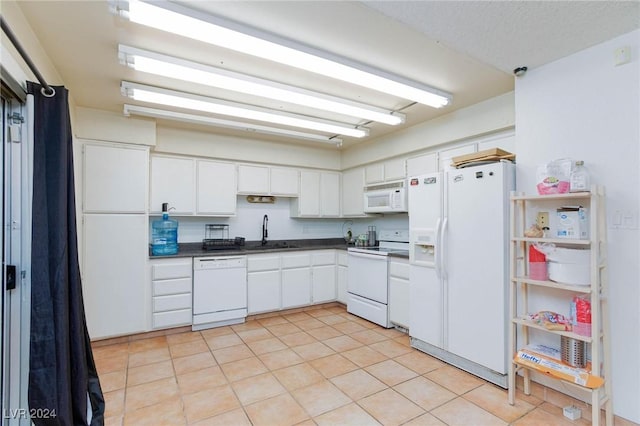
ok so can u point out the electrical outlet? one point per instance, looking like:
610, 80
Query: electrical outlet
543, 220
572, 412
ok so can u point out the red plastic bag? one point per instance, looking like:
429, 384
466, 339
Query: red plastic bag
536, 255
582, 313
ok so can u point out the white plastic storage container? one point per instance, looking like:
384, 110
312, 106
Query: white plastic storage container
572, 223
569, 266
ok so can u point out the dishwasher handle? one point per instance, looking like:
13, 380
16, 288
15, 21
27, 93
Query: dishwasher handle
219, 262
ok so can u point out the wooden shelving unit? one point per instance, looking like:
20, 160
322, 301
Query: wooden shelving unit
522, 209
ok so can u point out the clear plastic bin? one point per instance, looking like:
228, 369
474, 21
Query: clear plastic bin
538, 271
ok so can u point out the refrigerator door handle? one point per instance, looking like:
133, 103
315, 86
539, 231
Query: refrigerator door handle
442, 248
436, 254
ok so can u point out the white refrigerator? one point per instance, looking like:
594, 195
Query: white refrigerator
458, 224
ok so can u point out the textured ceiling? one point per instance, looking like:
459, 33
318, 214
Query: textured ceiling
509, 34
466, 48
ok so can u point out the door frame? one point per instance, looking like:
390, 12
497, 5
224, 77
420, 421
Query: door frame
16, 250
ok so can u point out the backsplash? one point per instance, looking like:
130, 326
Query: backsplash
248, 223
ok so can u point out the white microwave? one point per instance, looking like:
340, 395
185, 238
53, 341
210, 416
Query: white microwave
391, 199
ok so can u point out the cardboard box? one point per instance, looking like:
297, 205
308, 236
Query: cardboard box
493, 154
572, 222
548, 361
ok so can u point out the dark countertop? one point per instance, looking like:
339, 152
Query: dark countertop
254, 247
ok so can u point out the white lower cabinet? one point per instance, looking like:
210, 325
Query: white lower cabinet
296, 287
171, 289
323, 273
263, 283
399, 292
296, 279
342, 276
114, 274
292, 279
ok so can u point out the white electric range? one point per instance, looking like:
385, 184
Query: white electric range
368, 276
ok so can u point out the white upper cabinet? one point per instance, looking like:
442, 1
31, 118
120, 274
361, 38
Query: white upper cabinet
374, 173
447, 154
216, 188
253, 179
285, 182
330, 194
115, 178
266, 180
319, 195
353, 192
308, 204
385, 171
395, 169
422, 164
173, 181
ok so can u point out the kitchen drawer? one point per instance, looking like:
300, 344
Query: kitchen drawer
172, 318
177, 286
173, 302
263, 263
399, 269
326, 257
165, 270
299, 260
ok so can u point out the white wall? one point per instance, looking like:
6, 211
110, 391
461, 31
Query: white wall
490, 116
109, 126
209, 144
585, 107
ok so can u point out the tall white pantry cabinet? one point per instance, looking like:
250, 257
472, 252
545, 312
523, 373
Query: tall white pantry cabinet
115, 236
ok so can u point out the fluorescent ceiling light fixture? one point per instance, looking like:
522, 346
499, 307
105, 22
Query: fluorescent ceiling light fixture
210, 121
190, 23
168, 66
175, 99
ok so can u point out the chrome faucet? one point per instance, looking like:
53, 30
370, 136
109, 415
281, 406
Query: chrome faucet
265, 233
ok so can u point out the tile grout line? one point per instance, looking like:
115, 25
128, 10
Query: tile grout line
257, 324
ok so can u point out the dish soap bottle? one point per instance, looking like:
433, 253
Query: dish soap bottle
579, 178
164, 234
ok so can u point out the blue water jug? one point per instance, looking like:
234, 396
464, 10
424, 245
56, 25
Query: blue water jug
164, 234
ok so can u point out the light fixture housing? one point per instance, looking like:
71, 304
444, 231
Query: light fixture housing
180, 69
211, 121
157, 95
180, 20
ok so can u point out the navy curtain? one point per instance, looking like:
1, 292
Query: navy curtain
62, 373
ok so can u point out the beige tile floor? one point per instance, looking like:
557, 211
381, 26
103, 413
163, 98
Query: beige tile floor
321, 366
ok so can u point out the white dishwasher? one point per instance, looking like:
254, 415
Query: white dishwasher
219, 291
